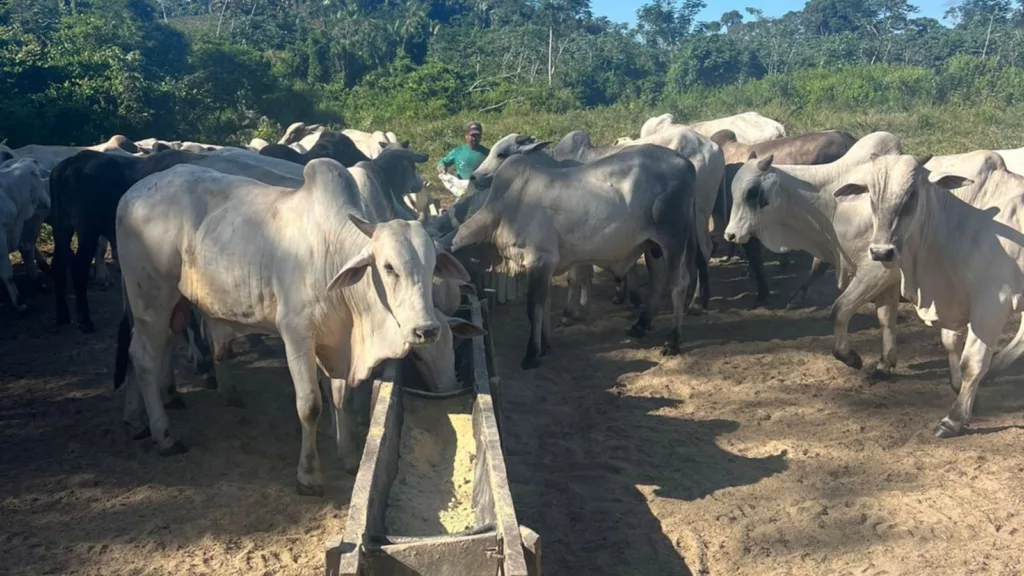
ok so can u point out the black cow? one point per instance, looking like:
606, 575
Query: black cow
334, 145
84, 192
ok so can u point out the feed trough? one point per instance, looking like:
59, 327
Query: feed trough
431, 496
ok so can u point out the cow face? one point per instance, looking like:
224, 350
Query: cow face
436, 363
756, 204
399, 165
402, 259
503, 149
895, 185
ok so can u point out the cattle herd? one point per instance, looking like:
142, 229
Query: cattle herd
325, 239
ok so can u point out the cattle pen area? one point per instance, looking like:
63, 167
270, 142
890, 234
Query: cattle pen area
753, 452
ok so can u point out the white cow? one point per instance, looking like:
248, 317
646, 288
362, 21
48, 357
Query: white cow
792, 208
24, 200
957, 240
257, 144
750, 127
342, 293
370, 143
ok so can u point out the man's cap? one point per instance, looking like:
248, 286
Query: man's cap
474, 128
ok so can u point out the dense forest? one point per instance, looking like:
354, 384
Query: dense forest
77, 71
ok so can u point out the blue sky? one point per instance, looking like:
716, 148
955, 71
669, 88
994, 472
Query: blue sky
625, 10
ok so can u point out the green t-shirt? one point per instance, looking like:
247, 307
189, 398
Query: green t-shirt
465, 159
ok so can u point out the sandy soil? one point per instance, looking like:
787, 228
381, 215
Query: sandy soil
433, 492
753, 453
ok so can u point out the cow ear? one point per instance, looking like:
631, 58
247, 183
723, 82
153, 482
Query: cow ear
364, 226
849, 191
765, 163
535, 146
352, 271
464, 330
950, 181
449, 268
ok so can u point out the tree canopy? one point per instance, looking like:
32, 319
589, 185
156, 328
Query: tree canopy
73, 71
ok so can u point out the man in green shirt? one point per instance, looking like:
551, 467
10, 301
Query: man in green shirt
465, 158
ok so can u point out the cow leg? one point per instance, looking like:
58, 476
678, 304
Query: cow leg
102, 278
632, 283
680, 274
172, 399
536, 302
755, 260
302, 366
134, 407
27, 249
985, 326
59, 269
783, 261
702, 289
659, 268
620, 289
149, 341
7, 275
579, 278
344, 433
818, 269
867, 284
887, 307
80, 279
953, 342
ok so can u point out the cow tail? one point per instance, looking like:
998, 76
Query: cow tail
124, 340
1002, 359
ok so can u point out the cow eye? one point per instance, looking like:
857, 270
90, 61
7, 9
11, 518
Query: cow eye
754, 195
390, 269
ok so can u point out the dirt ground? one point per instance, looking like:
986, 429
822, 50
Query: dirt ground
755, 452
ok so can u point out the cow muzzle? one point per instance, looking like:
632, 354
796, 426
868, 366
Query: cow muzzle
884, 253
425, 335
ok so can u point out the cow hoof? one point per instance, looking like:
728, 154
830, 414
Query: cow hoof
63, 319
881, 373
637, 331
308, 489
670, 349
530, 363
947, 429
697, 310
618, 300
851, 359
210, 383
175, 403
174, 449
635, 299
87, 327
142, 434
102, 286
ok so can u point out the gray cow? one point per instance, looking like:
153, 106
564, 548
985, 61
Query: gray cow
548, 220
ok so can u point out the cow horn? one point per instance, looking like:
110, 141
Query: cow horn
752, 155
365, 227
524, 139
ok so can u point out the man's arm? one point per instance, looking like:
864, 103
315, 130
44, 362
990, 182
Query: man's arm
444, 163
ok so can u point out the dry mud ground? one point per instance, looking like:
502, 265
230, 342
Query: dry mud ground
752, 453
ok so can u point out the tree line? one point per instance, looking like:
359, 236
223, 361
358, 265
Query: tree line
76, 71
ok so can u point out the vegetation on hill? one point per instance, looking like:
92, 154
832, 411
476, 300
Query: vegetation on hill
77, 71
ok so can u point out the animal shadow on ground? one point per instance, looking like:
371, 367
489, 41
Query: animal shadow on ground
583, 458
67, 456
